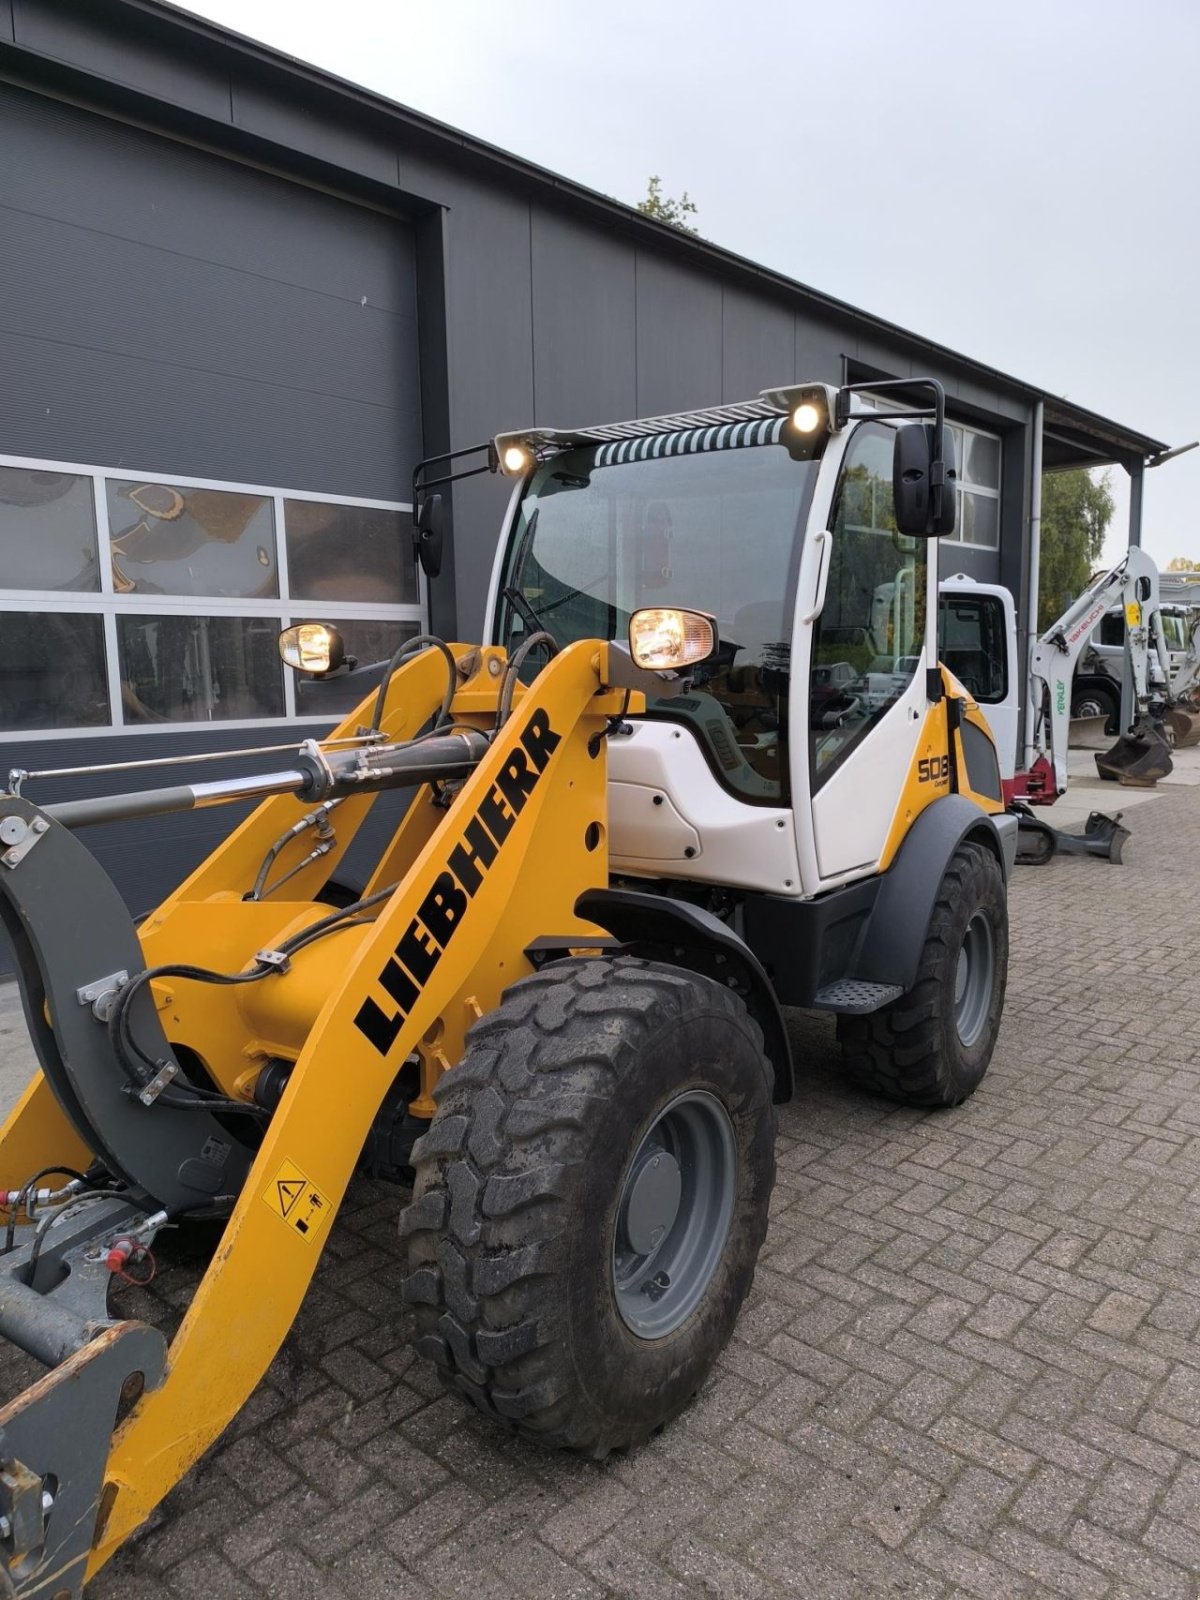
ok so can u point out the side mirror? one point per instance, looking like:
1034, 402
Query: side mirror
923, 481
429, 534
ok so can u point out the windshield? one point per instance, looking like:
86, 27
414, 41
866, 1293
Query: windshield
714, 530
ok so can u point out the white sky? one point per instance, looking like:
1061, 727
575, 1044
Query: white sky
1018, 182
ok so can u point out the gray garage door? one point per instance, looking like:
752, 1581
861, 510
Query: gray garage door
229, 360
181, 313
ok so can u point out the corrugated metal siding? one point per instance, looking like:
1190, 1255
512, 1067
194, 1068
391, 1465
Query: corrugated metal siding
169, 310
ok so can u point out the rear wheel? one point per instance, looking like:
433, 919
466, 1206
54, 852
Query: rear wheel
591, 1198
933, 1045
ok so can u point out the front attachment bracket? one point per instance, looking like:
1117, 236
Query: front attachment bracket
72, 934
54, 1445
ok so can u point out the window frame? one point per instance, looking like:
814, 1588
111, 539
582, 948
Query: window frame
984, 491
285, 607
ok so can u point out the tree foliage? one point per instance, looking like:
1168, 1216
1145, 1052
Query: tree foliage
1076, 511
1182, 564
663, 208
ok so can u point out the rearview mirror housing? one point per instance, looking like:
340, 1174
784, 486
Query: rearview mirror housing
924, 480
429, 534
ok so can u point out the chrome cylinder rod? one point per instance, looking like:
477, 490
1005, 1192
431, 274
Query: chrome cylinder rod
318, 775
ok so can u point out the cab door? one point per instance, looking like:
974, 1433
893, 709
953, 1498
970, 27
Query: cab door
867, 701
977, 629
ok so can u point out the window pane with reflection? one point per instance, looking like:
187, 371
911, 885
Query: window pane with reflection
172, 540
47, 531
981, 460
199, 669
980, 519
52, 671
349, 553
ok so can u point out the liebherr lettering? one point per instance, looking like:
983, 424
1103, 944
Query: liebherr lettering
427, 937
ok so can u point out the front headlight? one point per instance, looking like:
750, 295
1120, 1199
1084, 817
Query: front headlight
664, 639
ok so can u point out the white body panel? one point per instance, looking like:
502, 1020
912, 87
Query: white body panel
740, 845
853, 811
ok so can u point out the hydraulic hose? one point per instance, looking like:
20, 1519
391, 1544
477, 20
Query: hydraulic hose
408, 648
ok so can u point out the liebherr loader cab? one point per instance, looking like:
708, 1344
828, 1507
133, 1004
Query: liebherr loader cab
708, 766
793, 762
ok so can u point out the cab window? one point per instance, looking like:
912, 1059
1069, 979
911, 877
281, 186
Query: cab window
867, 641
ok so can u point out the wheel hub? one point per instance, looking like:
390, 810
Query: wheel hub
973, 979
651, 1201
673, 1214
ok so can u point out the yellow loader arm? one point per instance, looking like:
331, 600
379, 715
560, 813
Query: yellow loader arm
327, 1010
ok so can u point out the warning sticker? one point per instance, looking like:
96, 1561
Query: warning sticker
302, 1206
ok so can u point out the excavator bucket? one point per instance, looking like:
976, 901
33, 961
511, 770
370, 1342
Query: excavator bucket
1137, 760
1185, 725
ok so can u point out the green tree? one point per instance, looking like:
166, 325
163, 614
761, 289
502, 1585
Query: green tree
664, 209
1076, 511
1181, 564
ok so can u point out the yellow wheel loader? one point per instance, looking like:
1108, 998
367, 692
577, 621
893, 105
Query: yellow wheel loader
707, 766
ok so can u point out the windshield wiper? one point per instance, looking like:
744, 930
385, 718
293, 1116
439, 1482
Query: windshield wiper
519, 604
513, 593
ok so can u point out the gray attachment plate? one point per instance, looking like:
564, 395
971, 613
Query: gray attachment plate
69, 928
61, 1429
855, 997
67, 1301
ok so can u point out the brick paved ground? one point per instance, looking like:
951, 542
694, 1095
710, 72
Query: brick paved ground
969, 1364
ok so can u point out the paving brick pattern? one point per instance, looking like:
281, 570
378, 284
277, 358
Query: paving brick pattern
969, 1365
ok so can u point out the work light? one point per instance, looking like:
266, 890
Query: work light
516, 459
663, 639
806, 418
312, 647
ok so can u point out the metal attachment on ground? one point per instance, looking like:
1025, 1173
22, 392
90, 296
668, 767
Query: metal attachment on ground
1102, 836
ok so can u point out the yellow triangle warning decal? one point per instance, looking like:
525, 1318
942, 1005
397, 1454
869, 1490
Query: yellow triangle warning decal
298, 1202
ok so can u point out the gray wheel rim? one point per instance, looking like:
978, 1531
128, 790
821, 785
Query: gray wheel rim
973, 979
1091, 708
673, 1214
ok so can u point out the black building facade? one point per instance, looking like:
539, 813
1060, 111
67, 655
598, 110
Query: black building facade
243, 298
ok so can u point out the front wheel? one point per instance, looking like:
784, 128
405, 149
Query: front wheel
591, 1198
933, 1045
